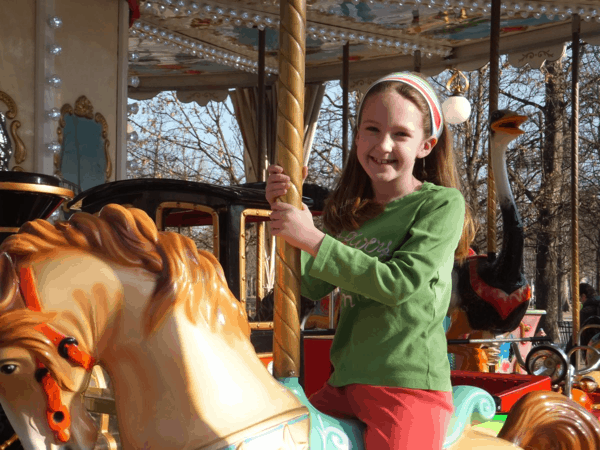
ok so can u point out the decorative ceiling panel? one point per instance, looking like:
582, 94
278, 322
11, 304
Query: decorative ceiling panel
180, 44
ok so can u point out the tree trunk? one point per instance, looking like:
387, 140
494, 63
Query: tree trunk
548, 220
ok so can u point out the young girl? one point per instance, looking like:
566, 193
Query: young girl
394, 221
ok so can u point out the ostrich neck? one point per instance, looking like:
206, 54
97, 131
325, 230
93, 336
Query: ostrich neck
508, 265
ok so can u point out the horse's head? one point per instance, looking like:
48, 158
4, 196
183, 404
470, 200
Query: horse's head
85, 271
40, 390
46, 335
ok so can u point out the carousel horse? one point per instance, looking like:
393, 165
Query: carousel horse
158, 316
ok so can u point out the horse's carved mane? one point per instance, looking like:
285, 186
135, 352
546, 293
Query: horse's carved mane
129, 237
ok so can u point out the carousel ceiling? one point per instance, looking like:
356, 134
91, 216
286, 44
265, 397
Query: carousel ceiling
213, 45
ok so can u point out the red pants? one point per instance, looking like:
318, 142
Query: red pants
396, 418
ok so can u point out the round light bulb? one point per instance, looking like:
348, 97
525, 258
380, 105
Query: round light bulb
53, 147
53, 114
54, 81
55, 22
132, 137
133, 108
457, 109
55, 49
133, 81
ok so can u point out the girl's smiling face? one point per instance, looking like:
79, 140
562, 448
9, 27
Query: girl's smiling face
390, 138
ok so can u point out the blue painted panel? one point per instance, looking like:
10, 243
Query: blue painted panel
83, 161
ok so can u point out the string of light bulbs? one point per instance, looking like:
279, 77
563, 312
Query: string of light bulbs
524, 9
53, 81
194, 47
536, 8
318, 31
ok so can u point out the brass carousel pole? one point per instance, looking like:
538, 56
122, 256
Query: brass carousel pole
494, 94
575, 180
290, 137
262, 151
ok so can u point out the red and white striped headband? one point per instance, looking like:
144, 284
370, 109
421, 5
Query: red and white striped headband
425, 89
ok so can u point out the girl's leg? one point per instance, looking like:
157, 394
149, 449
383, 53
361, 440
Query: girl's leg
399, 418
332, 401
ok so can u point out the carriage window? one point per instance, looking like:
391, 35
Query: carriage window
255, 276
198, 222
251, 268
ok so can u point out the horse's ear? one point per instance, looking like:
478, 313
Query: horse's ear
9, 286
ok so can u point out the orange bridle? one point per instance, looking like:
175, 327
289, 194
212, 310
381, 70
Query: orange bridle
57, 415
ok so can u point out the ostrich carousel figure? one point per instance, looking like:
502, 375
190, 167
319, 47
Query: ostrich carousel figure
490, 293
157, 314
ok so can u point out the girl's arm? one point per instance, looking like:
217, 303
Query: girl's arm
298, 227
432, 241
313, 287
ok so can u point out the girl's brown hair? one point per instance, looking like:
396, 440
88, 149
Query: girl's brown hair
352, 201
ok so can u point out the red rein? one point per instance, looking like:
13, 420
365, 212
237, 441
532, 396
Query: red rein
57, 415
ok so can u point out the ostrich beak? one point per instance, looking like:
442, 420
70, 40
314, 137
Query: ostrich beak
510, 124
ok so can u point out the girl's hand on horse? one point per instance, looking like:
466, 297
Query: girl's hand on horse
278, 183
296, 227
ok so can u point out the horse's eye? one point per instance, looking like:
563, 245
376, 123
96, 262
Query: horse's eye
7, 369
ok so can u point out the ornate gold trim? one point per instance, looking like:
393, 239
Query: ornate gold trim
9, 229
193, 207
40, 188
12, 105
20, 152
99, 118
83, 108
64, 110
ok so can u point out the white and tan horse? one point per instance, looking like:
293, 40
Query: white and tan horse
157, 315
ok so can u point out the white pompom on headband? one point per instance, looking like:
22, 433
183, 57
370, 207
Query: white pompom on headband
425, 89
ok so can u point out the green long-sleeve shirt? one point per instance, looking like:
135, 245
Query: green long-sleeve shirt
393, 300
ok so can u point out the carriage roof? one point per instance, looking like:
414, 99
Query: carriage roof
250, 195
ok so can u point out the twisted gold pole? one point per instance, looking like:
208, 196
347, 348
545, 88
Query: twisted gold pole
290, 143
